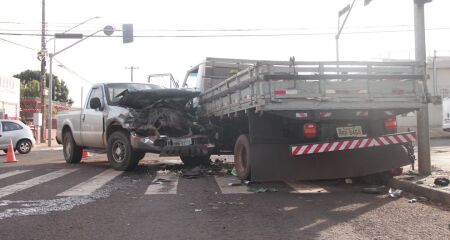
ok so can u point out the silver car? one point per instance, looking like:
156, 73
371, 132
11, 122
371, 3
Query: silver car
20, 134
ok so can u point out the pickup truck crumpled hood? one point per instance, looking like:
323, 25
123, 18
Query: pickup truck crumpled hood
140, 99
158, 112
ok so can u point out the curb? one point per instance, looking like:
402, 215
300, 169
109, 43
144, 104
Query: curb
47, 148
433, 194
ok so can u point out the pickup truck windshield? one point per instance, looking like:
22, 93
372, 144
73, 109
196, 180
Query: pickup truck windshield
114, 90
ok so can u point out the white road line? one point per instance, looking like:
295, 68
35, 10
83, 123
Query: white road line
223, 182
91, 185
8, 190
12, 173
302, 187
163, 184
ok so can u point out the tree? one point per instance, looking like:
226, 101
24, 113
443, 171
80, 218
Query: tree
29, 86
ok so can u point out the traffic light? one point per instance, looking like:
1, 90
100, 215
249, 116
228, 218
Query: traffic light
127, 33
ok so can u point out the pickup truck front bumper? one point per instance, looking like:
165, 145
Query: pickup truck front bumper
196, 145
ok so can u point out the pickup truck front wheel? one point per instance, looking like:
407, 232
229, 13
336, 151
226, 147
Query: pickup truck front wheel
120, 154
72, 152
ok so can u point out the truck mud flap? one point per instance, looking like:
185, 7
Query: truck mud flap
273, 162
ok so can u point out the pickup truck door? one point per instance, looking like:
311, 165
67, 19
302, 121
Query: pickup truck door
92, 123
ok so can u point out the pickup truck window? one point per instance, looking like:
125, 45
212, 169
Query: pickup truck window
114, 90
96, 92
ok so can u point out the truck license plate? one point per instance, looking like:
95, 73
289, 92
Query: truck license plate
181, 142
355, 131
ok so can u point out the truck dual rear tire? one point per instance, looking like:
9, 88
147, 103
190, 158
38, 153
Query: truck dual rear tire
121, 155
72, 152
242, 157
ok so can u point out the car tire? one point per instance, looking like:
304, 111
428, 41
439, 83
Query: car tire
120, 153
24, 146
72, 152
196, 160
242, 157
5, 151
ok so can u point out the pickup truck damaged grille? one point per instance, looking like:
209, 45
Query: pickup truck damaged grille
160, 119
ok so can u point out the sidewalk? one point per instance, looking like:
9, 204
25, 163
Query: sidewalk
416, 184
44, 146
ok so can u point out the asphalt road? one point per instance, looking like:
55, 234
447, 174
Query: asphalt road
41, 197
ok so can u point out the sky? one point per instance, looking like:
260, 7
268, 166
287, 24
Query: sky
301, 28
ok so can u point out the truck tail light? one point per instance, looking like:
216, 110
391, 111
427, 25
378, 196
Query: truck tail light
310, 130
391, 125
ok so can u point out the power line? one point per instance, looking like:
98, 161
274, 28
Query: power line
244, 35
18, 44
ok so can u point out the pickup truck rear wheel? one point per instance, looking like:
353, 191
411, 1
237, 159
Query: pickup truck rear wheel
242, 157
195, 161
72, 152
120, 154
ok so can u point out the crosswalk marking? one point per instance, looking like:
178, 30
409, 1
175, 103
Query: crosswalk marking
163, 184
8, 190
223, 182
12, 173
88, 187
302, 187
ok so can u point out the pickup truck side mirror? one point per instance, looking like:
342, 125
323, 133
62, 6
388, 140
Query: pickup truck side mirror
95, 103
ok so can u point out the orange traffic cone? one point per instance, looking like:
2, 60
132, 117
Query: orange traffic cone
85, 154
10, 157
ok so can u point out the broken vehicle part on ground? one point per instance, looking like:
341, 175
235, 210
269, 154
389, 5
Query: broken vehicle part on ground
130, 119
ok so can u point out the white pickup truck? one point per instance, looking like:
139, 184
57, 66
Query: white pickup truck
128, 120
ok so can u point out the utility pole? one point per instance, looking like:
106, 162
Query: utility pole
423, 128
43, 73
132, 69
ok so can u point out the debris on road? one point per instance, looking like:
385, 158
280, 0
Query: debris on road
231, 203
395, 193
194, 172
413, 200
233, 172
422, 199
263, 190
442, 181
373, 189
233, 184
348, 181
161, 181
197, 210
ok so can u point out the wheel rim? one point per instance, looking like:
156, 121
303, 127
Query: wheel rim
118, 151
24, 146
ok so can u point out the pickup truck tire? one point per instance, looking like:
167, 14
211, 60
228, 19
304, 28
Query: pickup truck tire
242, 157
195, 161
120, 153
72, 152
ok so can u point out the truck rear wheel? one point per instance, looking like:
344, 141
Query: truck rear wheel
120, 154
72, 152
195, 161
242, 157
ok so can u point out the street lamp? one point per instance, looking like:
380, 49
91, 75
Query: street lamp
108, 30
347, 9
50, 84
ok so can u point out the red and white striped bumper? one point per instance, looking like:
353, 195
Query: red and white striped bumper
391, 139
